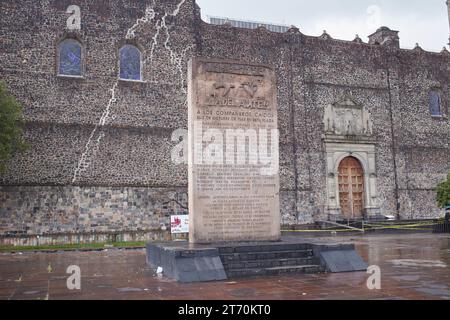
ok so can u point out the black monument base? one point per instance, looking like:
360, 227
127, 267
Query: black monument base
185, 263
200, 263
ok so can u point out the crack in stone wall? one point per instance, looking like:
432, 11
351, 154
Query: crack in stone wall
92, 146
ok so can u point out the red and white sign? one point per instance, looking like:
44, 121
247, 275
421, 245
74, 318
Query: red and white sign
179, 224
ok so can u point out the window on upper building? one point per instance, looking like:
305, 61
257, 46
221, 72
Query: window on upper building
130, 63
70, 58
435, 103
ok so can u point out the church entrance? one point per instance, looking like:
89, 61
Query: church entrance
351, 188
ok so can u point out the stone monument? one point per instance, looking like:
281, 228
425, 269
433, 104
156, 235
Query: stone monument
234, 210
233, 152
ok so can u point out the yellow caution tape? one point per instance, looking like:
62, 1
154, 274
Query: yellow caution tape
374, 226
324, 230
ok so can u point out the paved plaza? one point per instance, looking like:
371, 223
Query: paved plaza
413, 266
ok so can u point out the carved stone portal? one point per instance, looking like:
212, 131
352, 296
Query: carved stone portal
348, 133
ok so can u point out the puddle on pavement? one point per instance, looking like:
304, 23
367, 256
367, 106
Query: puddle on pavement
127, 290
419, 263
435, 292
407, 278
32, 292
244, 292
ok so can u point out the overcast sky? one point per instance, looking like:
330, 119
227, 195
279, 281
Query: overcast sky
422, 21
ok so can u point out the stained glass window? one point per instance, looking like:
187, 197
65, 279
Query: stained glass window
130, 63
435, 103
70, 58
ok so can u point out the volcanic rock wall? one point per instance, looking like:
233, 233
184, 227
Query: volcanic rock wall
100, 156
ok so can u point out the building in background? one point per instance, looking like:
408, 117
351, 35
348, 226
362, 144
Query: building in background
448, 9
247, 24
364, 127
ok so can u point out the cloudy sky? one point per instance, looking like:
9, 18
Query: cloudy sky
422, 21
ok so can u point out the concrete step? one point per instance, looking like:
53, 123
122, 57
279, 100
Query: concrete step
305, 269
269, 263
264, 248
269, 255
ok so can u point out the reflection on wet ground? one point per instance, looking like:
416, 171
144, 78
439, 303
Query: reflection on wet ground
413, 266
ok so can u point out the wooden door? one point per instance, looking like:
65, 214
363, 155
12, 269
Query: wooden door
351, 188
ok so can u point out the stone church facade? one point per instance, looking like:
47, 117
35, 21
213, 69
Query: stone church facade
364, 127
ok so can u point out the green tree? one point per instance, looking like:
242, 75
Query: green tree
11, 121
443, 193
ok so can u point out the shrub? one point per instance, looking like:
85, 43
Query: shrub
443, 193
11, 121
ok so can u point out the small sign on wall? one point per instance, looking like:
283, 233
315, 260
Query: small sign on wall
179, 224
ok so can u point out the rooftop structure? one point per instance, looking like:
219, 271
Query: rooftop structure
248, 24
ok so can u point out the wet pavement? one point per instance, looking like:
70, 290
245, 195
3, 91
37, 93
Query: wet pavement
413, 266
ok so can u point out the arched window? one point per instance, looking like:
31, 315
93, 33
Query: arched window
70, 58
130, 63
435, 103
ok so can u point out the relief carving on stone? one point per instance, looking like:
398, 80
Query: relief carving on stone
236, 90
347, 118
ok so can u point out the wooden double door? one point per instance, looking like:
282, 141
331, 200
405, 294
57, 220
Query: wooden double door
351, 188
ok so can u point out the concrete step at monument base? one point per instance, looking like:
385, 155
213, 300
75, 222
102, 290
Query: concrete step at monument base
268, 263
269, 260
269, 255
277, 271
271, 247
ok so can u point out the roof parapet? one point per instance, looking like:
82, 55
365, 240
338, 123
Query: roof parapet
385, 37
325, 36
358, 39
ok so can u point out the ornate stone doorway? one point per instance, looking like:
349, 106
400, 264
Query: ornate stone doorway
350, 149
351, 188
